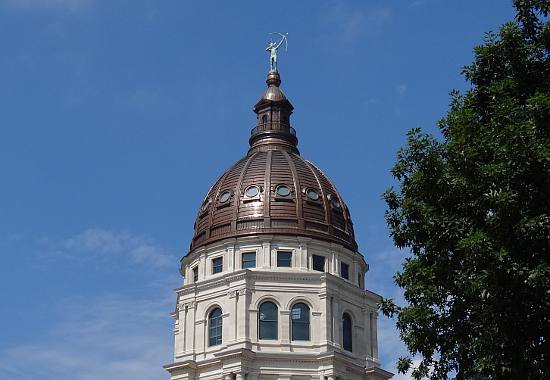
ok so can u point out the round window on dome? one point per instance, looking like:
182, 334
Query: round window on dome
252, 191
334, 202
224, 197
282, 190
312, 194
206, 204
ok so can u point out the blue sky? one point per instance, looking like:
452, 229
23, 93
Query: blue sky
110, 107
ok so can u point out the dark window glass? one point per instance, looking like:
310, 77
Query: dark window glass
300, 321
206, 204
359, 280
284, 259
264, 120
334, 201
319, 263
344, 270
195, 274
249, 260
217, 265
267, 321
215, 327
347, 332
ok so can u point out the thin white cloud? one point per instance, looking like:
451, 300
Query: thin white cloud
384, 264
40, 5
110, 338
102, 243
401, 89
345, 23
417, 3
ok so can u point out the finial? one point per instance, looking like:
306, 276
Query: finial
272, 48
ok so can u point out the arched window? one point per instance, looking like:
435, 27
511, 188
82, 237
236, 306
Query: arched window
347, 332
300, 321
264, 120
267, 321
215, 327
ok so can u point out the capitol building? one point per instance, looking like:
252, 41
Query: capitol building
274, 284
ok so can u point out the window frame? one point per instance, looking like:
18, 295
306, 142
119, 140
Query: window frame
263, 323
313, 257
195, 273
347, 346
279, 252
243, 254
214, 266
293, 323
218, 338
342, 266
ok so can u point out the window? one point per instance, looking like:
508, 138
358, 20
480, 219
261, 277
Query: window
252, 191
264, 120
347, 332
312, 194
215, 327
334, 202
206, 204
284, 259
249, 260
359, 278
224, 197
344, 270
300, 321
267, 321
319, 263
196, 274
282, 190
217, 265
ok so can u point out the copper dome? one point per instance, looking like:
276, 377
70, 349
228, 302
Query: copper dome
273, 190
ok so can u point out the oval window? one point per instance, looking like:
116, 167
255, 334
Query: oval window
206, 204
224, 197
312, 194
252, 191
282, 190
334, 202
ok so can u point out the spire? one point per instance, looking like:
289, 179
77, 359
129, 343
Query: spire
273, 130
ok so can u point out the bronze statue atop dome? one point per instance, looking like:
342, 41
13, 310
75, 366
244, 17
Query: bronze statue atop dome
273, 47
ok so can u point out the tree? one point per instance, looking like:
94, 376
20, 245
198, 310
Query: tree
473, 208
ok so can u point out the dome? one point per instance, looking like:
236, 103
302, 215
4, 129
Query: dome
273, 190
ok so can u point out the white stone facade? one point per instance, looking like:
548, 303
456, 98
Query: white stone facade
239, 293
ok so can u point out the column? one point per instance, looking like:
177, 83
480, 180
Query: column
190, 327
375, 335
266, 255
241, 315
284, 328
302, 263
355, 273
202, 267
182, 329
337, 322
230, 259
234, 320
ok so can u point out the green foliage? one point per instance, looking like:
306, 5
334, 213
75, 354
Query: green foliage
474, 210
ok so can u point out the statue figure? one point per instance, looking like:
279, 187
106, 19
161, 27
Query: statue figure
272, 48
